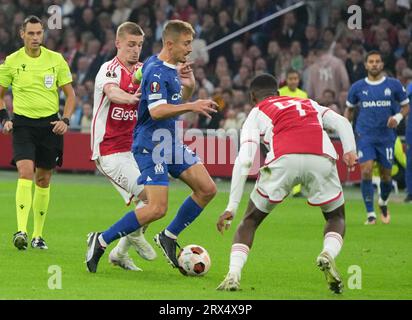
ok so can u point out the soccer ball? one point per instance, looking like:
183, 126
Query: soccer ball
193, 260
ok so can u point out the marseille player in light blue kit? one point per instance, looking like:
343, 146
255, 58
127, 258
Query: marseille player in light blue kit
378, 98
408, 174
158, 150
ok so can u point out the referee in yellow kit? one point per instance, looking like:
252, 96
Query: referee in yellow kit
35, 75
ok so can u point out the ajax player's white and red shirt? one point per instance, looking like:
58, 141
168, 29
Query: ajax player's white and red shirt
288, 126
113, 124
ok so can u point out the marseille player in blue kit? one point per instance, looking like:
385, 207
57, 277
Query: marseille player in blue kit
378, 98
157, 149
408, 174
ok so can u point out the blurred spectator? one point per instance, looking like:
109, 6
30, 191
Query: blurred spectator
71, 51
200, 77
195, 22
291, 89
408, 54
260, 66
329, 100
291, 30
209, 28
272, 58
226, 26
216, 6
199, 54
387, 56
355, 66
392, 12
202, 6
242, 79
161, 20
237, 52
318, 12
241, 13
296, 62
183, 10
310, 41
400, 66
262, 9
404, 39
231, 120
327, 72
87, 115
89, 23
82, 70
95, 59
121, 13
105, 6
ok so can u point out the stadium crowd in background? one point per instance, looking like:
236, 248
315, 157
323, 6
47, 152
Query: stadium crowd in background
314, 40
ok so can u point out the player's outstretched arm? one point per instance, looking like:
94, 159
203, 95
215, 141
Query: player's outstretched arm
165, 111
117, 95
250, 139
240, 172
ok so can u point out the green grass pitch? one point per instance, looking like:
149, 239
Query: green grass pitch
281, 264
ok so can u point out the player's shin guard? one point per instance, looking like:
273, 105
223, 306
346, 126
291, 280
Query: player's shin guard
367, 194
238, 258
40, 206
121, 228
23, 203
187, 213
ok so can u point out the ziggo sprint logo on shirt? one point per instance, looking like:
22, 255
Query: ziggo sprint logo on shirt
123, 115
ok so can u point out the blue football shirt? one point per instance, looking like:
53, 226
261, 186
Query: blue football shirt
377, 101
160, 84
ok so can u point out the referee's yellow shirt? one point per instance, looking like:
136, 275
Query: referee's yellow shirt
35, 81
285, 91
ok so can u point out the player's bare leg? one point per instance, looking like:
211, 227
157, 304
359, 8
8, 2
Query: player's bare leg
367, 190
386, 187
334, 232
204, 189
199, 180
242, 243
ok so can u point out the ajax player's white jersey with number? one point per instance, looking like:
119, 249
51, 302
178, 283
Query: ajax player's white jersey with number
112, 129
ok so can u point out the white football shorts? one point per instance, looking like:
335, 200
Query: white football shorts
122, 171
318, 176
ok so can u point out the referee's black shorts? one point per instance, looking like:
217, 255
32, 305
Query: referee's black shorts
37, 142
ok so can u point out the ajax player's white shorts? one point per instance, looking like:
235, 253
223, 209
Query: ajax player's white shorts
317, 174
122, 171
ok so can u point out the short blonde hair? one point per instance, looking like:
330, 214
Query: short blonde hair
174, 28
129, 28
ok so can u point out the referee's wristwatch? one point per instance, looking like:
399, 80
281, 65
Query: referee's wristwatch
66, 121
